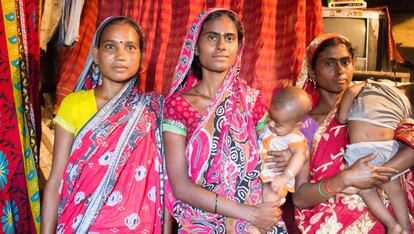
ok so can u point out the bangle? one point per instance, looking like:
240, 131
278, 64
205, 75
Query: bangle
332, 193
215, 204
320, 190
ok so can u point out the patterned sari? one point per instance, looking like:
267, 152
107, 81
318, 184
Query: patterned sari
344, 213
222, 152
19, 116
113, 179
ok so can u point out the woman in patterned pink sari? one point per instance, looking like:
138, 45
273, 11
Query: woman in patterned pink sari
109, 168
211, 117
324, 207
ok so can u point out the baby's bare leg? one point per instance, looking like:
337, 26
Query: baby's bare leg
399, 205
377, 207
268, 194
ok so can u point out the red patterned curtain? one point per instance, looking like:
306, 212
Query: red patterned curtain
276, 31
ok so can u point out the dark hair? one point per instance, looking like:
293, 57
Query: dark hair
196, 65
133, 24
331, 42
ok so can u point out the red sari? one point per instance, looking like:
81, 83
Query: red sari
113, 179
344, 213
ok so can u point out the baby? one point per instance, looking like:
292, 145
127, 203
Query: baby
288, 108
373, 111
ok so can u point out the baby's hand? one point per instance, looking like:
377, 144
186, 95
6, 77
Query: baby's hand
279, 184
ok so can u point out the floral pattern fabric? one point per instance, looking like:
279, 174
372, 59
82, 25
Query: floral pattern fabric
113, 181
19, 116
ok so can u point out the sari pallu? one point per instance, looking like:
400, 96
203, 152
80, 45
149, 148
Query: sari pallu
344, 213
112, 181
222, 153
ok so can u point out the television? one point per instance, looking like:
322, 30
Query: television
367, 30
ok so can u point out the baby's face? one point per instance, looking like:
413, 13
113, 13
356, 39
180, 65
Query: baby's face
281, 122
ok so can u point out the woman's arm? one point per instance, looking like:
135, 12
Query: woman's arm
359, 175
61, 152
264, 215
403, 159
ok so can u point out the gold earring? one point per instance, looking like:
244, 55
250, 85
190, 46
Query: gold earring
141, 69
312, 78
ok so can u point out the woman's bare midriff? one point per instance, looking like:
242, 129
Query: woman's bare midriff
359, 131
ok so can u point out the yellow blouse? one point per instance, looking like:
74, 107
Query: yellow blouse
76, 110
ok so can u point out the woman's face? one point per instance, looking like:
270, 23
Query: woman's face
218, 45
118, 55
334, 69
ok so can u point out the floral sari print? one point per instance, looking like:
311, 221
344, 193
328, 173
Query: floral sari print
405, 132
113, 179
222, 152
344, 213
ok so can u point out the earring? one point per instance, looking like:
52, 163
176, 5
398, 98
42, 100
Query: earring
196, 51
312, 79
141, 69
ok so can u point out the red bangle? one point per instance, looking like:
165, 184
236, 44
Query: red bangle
328, 190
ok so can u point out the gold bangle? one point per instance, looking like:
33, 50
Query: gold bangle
322, 193
328, 190
215, 204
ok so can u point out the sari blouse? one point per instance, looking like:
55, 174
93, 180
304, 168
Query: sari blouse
181, 118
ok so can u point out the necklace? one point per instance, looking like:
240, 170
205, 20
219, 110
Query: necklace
202, 95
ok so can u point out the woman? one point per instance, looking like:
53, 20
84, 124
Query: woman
107, 163
209, 133
322, 206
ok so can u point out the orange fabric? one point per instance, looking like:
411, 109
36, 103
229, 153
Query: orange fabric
277, 33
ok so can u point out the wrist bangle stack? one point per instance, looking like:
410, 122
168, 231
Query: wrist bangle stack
320, 191
215, 204
332, 193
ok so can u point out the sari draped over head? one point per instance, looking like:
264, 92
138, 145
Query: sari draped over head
345, 213
222, 152
113, 179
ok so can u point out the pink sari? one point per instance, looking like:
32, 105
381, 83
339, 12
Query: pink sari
112, 182
345, 213
222, 152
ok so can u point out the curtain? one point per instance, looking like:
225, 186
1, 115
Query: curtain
276, 33
19, 116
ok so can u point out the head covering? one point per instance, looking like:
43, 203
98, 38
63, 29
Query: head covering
91, 76
305, 79
183, 78
115, 162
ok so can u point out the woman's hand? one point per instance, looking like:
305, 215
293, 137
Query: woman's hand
278, 160
363, 176
265, 215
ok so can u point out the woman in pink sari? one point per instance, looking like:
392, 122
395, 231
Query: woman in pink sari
107, 167
323, 206
210, 122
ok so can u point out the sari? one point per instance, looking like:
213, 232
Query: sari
113, 179
345, 213
222, 152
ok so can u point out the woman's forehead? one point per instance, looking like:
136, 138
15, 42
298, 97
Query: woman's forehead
120, 30
334, 51
222, 24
